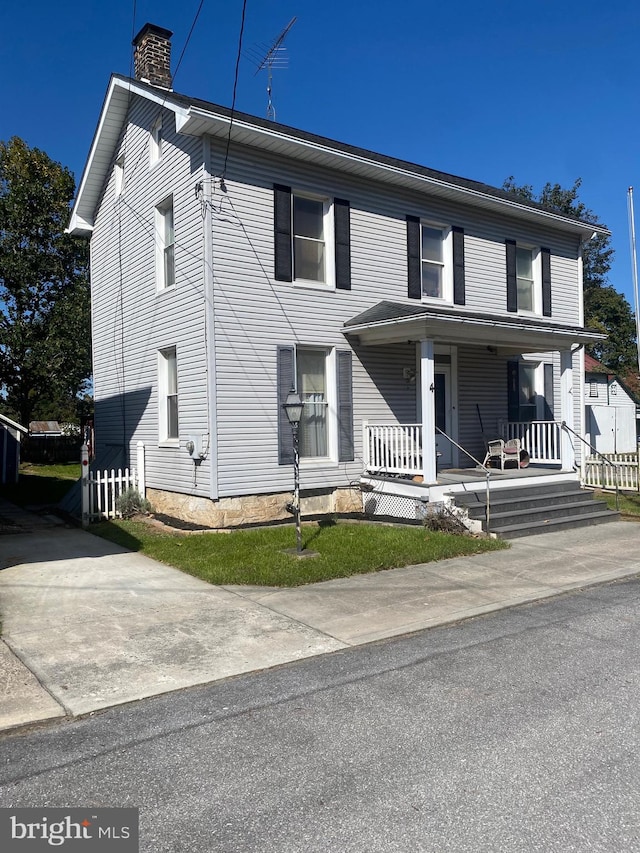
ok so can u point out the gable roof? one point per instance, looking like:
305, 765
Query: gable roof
5, 420
592, 365
196, 117
394, 321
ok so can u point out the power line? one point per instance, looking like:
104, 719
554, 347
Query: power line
195, 20
235, 87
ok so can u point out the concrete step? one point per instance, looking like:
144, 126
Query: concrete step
547, 513
517, 503
514, 531
530, 509
520, 492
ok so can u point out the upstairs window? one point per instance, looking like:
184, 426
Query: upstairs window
432, 258
435, 261
312, 239
165, 242
119, 176
309, 239
528, 279
155, 142
524, 279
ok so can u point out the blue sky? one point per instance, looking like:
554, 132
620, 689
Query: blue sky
545, 90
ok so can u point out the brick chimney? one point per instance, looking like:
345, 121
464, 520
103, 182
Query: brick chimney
152, 56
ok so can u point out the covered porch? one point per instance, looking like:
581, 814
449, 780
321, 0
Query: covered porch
468, 386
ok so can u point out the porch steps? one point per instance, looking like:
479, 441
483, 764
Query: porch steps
527, 510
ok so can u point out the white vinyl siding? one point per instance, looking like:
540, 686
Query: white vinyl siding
253, 313
132, 321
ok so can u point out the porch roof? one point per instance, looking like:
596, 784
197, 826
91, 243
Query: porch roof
392, 322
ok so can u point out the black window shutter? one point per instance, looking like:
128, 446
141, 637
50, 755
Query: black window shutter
545, 256
282, 233
342, 227
286, 381
345, 406
512, 282
458, 266
513, 391
414, 285
548, 392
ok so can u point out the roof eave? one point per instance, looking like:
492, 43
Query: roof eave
512, 337
110, 123
197, 121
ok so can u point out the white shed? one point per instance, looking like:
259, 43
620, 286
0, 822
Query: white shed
610, 410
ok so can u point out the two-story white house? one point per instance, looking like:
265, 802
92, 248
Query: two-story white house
418, 314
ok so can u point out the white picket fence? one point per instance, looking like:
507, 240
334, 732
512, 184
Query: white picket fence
625, 467
101, 489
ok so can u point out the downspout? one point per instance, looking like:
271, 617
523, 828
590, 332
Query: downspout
209, 319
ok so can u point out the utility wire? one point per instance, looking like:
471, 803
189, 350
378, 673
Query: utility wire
193, 25
235, 88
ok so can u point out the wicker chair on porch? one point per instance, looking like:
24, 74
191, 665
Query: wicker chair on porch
502, 453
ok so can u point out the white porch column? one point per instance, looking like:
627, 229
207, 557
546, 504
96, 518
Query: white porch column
428, 414
566, 409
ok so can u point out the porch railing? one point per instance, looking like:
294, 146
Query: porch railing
397, 448
393, 448
541, 439
614, 468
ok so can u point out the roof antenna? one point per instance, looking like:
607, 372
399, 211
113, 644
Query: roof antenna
273, 58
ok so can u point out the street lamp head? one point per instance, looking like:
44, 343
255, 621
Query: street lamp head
293, 408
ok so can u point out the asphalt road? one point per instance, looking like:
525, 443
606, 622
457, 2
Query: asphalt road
517, 731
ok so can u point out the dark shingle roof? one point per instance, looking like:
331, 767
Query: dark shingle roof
388, 311
394, 162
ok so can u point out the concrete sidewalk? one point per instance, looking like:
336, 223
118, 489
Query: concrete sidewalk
88, 625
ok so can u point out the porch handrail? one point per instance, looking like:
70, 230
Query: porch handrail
482, 465
567, 428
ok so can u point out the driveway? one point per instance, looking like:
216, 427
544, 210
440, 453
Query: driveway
87, 624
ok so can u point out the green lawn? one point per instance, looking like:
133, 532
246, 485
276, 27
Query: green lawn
629, 502
258, 556
42, 484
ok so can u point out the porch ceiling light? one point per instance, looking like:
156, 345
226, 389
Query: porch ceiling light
293, 408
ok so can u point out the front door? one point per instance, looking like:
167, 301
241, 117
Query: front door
442, 394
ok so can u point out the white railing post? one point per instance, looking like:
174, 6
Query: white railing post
140, 472
84, 487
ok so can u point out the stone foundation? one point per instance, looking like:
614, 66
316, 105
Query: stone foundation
252, 509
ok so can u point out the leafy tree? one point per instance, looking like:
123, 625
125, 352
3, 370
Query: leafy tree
45, 340
605, 310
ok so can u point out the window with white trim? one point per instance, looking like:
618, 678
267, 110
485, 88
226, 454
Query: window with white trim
168, 395
312, 383
165, 245
311, 234
525, 279
435, 262
155, 142
119, 176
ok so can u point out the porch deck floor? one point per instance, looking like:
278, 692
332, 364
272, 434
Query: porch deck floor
473, 475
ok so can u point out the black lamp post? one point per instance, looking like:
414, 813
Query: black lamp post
293, 410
